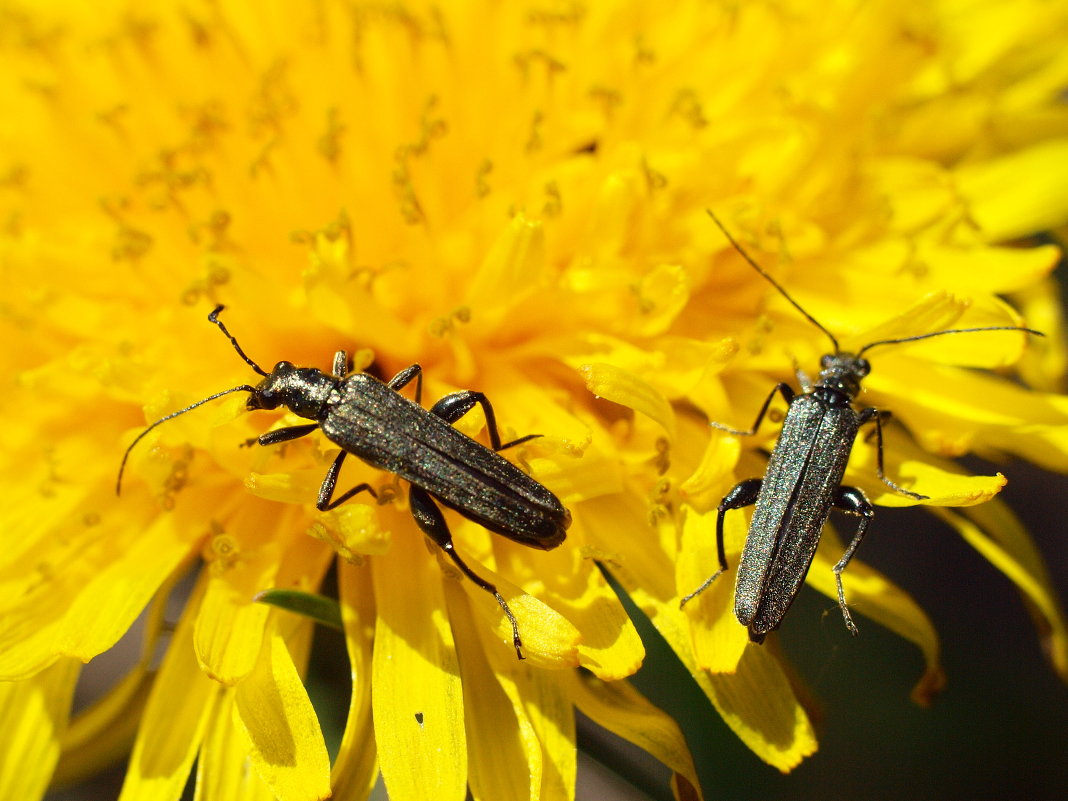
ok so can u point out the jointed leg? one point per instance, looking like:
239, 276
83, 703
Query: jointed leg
452, 407
326, 490
405, 376
281, 435
878, 416
852, 500
787, 393
430, 519
744, 494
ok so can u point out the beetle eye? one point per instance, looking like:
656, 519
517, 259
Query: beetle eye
863, 367
826, 360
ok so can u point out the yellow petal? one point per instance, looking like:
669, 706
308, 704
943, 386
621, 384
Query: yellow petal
608, 644
550, 639
243, 559
940, 312
356, 768
718, 639
172, 726
88, 603
546, 715
987, 269
341, 304
119, 591
662, 293
1017, 194
595, 474
619, 201
619, 708
292, 486
416, 692
105, 732
619, 532
610, 382
222, 767
514, 263
757, 701
33, 713
1029, 424
1045, 363
942, 481
272, 708
352, 530
714, 476
759, 704
917, 190
504, 757
229, 628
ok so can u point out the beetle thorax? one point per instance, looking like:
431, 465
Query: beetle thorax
843, 372
303, 390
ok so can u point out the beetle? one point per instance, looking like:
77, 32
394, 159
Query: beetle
371, 420
803, 479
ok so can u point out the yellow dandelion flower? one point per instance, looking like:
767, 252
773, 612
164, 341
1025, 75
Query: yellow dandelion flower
512, 196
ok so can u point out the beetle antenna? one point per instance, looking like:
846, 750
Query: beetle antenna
950, 331
171, 416
772, 281
214, 317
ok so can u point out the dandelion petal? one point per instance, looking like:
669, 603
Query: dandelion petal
416, 691
35, 716
288, 750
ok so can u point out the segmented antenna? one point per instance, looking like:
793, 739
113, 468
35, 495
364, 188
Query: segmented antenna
871, 345
214, 317
815, 322
171, 416
772, 281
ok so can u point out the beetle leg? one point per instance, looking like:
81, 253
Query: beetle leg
326, 489
430, 519
341, 364
744, 494
452, 407
405, 376
879, 416
281, 435
853, 501
869, 414
787, 393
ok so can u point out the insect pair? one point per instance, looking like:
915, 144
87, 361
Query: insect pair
371, 420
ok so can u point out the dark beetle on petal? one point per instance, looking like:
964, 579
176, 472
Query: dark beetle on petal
803, 480
371, 420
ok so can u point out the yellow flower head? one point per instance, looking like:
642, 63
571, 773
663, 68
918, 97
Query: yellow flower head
514, 197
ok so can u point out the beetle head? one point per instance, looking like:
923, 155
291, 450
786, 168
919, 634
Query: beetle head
843, 372
302, 390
